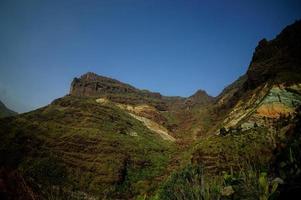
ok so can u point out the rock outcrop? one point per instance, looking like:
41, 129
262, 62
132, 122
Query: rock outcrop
274, 63
93, 85
278, 59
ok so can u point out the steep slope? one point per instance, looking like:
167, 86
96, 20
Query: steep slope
5, 112
92, 149
254, 121
93, 85
269, 94
271, 86
164, 111
278, 60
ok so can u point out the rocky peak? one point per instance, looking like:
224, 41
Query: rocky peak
199, 98
200, 94
277, 59
90, 76
93, 85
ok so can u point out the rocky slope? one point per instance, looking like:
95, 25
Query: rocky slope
271, 86
255, 119
278, 60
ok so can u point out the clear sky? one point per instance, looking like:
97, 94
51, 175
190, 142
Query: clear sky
174, 47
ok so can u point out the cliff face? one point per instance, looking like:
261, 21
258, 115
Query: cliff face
93, 85
271, 87
278, 59
275, 63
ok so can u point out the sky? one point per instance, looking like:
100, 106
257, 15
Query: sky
174, 47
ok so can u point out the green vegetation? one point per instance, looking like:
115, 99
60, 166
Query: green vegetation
83, 147
79, 148
192, 183
87, 146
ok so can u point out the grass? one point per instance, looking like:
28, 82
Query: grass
192, 183
92, 145
79, 148
250, 147
241, 165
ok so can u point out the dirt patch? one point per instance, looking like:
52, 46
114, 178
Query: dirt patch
273, 110
154, 127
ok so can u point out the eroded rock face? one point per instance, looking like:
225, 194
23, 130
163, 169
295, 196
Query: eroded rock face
280, 101
275, 64
278, 59
93, 85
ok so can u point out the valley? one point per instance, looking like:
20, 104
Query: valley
109, 140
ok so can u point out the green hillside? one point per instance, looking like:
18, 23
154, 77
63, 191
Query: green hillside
109, 140
85, 149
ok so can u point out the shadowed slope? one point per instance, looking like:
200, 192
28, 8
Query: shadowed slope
5, 112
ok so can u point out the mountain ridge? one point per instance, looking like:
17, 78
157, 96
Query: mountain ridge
107, 139
6, 112
92, 78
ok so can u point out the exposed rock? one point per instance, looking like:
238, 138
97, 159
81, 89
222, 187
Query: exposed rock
93, 85
271, 86
280, 101
277, 59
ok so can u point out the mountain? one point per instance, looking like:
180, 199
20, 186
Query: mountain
91, 84
271, 86
109, 140
257, 123
5, 112
277, 60
199, 98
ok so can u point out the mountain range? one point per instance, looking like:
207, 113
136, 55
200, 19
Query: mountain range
109, 140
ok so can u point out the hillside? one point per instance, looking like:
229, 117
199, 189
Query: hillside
5, 112
109, 140
254, 145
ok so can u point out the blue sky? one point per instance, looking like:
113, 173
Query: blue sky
174, 47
